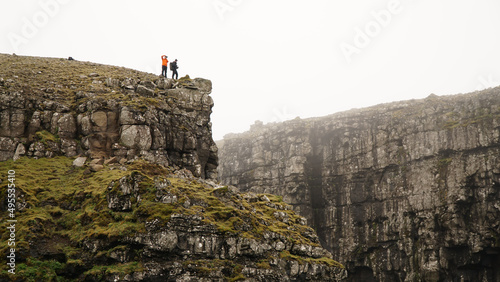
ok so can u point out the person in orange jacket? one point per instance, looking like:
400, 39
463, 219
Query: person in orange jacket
164, 66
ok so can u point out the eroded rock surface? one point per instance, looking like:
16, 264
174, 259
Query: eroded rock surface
145, 222
119, 184
162, 120
406, 191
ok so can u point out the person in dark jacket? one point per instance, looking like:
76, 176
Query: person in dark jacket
173, 68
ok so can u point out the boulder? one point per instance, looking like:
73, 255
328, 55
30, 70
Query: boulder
96, 167
66, 126
20, 151
12, 122
97, 162
112, 160
164, 83
100, 119
7, 148
79, 162
136, 137
144, 91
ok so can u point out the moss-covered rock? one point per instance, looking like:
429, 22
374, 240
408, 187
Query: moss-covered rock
115, 224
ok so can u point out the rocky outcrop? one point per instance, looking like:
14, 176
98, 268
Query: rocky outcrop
145, 222
198, 248
407, 191
103, 114
114, 181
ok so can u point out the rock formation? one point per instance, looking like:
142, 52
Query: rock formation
56, 107
406, 191
144, 222
114, 181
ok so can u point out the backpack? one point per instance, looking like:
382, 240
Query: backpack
171, 65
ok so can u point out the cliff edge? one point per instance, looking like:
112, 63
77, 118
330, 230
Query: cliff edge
107, 174
56, 107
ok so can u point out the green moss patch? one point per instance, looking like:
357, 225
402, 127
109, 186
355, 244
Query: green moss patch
45, 136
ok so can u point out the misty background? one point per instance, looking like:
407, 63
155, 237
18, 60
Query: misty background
275, 60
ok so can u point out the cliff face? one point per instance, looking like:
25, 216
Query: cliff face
56, 107
406, 191
108, 175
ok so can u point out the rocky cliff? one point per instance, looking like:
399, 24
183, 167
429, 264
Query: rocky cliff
145, 222
107, 175
406, 191
55, 107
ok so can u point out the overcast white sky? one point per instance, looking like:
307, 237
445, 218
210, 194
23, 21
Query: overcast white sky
275, 60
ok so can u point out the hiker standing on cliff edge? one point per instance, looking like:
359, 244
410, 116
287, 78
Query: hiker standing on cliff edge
173, 68
164, 66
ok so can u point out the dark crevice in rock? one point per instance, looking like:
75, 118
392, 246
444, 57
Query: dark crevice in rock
315, 186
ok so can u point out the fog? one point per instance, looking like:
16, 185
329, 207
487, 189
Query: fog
275, 60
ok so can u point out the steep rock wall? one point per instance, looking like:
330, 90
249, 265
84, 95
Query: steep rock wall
51, 107
406, 191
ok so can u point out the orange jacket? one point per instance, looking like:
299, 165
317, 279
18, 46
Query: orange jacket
164, 61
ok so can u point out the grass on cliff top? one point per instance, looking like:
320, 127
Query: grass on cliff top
63, 206
62, 79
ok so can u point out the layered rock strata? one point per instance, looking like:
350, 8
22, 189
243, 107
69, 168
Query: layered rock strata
139, 202
406, 191
53, 107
